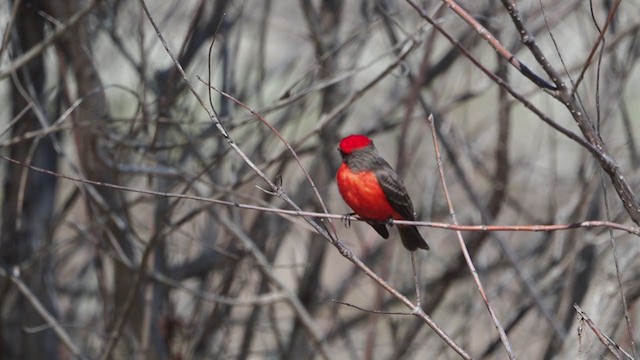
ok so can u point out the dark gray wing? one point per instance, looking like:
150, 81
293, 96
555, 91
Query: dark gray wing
396, 192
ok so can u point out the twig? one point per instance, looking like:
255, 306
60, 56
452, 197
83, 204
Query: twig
463, 246
416, 311
415, 278
292, 298
7, 30
38, 48
595, 47
616, 263
405, 48
614, 348
377, 312
497, 46
285, 142
310, 214
15, 278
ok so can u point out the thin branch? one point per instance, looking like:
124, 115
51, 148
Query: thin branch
614, 348
595, 47
15, 278
416, 279
377, 312
497, 46
294, 301
38, 48
310, 214
463, 246
616, 263
285, 142
7, 29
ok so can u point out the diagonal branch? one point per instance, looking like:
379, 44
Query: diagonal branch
14, 277
497, 46
465, 251
614, 348
39, 48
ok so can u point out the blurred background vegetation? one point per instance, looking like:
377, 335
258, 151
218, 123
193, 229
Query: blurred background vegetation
90, 94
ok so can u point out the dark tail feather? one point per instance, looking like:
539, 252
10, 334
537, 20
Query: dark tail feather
380, 228
411, 238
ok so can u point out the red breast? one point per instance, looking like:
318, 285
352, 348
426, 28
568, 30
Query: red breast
362, 192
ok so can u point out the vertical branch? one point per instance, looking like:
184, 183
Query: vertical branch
28, 197
600, 39
614, 251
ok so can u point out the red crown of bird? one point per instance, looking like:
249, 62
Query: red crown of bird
354, 142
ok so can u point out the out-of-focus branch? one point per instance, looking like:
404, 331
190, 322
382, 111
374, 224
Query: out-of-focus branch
37, 49
7, 31
262, 263
14, 277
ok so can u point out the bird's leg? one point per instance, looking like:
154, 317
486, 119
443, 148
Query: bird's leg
346, 219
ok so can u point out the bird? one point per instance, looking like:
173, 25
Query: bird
374, 191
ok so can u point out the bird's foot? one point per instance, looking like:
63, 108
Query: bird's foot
390, 221
346, 219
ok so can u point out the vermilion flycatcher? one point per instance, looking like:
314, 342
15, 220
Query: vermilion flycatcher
374, 190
